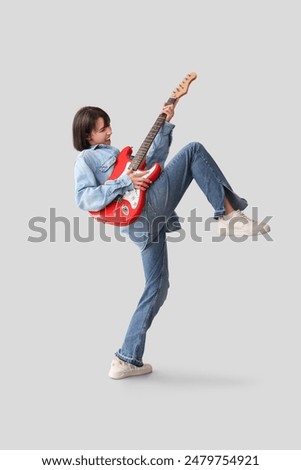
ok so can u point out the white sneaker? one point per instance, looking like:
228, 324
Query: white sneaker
239, 224
121, 370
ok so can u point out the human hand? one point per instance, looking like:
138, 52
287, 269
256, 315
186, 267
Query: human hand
139, 180
169, 110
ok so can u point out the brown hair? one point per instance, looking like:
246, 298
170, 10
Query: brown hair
83, 124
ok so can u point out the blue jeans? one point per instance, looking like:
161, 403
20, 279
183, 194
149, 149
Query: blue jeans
149, 233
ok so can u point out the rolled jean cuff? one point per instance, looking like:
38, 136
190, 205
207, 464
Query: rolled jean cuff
135, 362
219, 213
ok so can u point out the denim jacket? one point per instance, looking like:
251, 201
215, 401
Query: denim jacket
93, 167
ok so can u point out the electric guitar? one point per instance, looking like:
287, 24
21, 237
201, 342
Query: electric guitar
125, 209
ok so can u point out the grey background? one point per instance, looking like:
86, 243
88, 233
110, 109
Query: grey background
226, 346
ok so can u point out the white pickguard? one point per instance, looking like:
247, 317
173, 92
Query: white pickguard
133, 196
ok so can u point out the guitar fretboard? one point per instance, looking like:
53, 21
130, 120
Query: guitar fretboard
144, 148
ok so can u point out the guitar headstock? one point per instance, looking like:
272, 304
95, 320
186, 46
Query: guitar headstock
182, 88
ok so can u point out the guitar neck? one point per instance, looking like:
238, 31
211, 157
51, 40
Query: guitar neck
141, 154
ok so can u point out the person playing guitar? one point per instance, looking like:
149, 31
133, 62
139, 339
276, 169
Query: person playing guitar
162, 190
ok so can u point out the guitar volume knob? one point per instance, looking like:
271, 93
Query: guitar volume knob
125, 209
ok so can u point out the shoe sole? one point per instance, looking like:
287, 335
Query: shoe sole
125, 375
223, 231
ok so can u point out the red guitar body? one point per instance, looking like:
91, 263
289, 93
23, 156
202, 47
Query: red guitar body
124, 210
